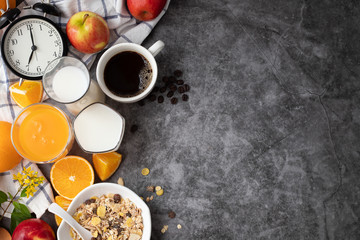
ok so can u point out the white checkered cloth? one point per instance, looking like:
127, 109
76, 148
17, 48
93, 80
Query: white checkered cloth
123, 28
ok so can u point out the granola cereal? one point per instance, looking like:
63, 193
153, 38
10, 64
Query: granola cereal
109, 217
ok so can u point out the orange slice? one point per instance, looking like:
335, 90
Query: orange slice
70, 175
64, 203
28, 93
105, 164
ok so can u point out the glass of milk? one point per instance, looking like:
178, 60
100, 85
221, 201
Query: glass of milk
99, 129
67, 80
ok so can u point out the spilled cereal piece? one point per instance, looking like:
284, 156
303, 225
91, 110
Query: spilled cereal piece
150, 188
164, 229
160, 192
120, 181
145, 171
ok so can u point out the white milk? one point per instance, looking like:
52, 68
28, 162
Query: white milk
98, 128
70, 84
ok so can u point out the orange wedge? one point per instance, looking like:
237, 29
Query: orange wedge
105, 164
64, 203
70, 175
28, 93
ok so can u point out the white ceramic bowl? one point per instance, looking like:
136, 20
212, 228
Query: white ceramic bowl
63, 232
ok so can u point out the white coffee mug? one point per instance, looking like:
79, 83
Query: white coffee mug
149, 54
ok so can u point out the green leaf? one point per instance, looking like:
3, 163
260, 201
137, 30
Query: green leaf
10, 196
21, 208
3, 197
17, 217
23, 192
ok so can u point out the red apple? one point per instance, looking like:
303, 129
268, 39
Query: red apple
145, 10
88, 32
33, 229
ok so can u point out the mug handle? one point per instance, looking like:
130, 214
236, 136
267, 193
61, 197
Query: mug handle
156, 47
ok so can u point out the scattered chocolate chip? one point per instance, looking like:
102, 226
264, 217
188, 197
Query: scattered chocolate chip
160, 99
173, 88
187, 87
170, 94
185, 97
141, 103
177, 73
165, 79
163, 89
181, 89
180, 82
117, 198
171, 214
152, 97
174, 100
172, 79
128, 214
134, 128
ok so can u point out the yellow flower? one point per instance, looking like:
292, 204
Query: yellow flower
30, 191
28, 179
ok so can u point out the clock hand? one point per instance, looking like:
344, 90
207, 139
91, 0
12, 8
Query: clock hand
32, 52
32, 38
33, 48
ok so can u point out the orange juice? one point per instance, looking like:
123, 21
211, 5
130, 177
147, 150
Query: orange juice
42, 133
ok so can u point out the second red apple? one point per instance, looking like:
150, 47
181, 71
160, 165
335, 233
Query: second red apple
33, 229
145, 10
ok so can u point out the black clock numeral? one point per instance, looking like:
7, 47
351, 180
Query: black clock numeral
17, 62
19, 32
57, 43
27, 67
51, 33
14, 41
29, 26
38, 68
11, 53
40, 27
55, 54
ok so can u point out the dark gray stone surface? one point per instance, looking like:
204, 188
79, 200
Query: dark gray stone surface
267, 147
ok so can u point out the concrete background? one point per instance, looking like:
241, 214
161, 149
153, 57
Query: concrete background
267, 147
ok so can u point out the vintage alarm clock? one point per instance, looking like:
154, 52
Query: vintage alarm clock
31, 42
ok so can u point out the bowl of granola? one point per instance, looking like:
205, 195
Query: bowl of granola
108, 211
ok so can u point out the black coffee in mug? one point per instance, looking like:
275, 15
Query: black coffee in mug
127, 74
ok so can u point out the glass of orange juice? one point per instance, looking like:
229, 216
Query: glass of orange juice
42, 133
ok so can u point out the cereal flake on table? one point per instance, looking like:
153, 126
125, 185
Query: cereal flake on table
164, 229
109, 217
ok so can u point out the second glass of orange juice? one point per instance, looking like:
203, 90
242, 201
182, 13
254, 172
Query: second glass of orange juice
42, 133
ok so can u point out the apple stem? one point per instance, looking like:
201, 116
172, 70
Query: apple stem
85, 17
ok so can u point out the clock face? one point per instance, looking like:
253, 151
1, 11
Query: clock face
29, 44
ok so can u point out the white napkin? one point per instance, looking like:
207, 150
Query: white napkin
123, 28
